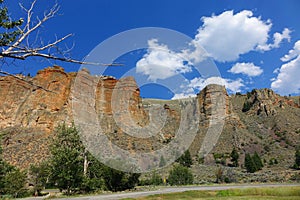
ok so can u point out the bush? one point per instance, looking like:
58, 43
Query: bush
219, 175
180, 175
14, 183
155, 179
116, 180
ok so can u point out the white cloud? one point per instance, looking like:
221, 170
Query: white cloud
278, 38
287, 80
226, 36
160, 62
292, 53
183, 95
197, 84
232, 85
248, 69
276, 71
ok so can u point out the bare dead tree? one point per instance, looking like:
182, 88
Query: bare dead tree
18, 45
21, 48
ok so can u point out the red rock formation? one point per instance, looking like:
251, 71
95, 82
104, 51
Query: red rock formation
29, 114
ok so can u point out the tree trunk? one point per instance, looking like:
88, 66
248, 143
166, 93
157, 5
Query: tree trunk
85, 163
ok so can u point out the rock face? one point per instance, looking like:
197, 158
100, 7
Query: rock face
259, 121
265, 102
30, 111
29, 114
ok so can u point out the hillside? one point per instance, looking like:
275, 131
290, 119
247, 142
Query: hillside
259, 121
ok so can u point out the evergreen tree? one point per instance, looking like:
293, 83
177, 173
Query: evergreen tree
257, 161
234, 158
297, 159
253, 163
9, 28
162, 161
249, 164
185, 159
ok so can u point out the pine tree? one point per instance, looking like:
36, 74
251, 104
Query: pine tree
297, 159
253, 163
9, 27
249, 164
185, 159
162, 161
257, 161
234, 158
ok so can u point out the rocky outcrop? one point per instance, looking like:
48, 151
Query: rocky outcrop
265, 102
30, 110
214, 107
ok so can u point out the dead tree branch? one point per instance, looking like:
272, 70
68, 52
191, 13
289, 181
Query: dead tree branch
21, 48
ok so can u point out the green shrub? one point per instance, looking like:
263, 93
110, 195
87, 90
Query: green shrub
180, 175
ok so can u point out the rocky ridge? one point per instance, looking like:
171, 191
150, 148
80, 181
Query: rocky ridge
260, 120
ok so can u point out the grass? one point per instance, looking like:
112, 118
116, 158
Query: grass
278, 193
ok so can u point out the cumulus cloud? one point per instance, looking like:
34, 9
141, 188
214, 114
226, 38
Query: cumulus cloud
160, 62
292, 53
248, 69
231, 85
226, 36
285, 35
185, 94
197, 84
287, 80
278, 38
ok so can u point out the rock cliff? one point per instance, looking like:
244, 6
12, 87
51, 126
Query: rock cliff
260, 120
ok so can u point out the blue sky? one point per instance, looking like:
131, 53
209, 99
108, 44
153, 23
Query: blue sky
253, 43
